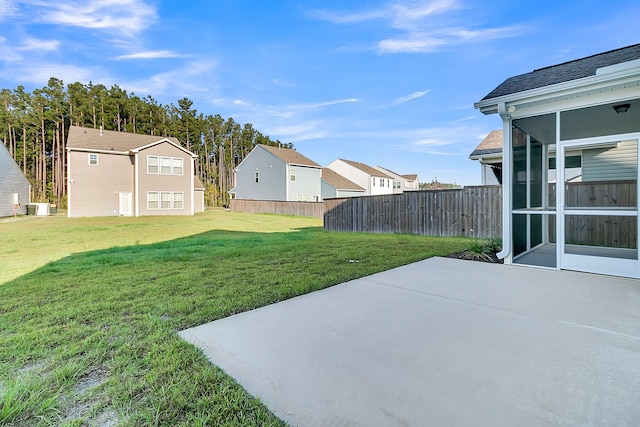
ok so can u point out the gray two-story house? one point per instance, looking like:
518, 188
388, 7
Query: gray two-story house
14, 186
276, 173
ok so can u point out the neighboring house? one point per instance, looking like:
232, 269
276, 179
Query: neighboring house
589, 109
411, 182
489, 154
335, 185
372, 180
401, 183
276, 173
118, 173
15, 189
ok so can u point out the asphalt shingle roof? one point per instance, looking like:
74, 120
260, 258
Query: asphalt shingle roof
492, 143
366, 168
290, 156
94, 139
567, 71
338, 181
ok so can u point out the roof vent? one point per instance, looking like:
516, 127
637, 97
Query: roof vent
100, 130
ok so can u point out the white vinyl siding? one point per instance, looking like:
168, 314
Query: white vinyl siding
152, 200
610, 164
152, 164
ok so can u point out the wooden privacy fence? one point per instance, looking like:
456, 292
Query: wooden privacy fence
312, 209
469, 211
608, 231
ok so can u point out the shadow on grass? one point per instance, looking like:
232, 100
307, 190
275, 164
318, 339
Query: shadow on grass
116, 312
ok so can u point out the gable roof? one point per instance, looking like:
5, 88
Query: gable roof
290, 156
9, 169
491, 144
565, 72
366, 168
197, 184
338, 181
81, 138
410, 177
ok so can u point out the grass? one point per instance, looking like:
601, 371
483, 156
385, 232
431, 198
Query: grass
89, 309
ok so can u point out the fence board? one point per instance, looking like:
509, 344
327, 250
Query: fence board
311, 209
471, 211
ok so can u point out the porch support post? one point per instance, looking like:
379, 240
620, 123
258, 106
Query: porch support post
507, 188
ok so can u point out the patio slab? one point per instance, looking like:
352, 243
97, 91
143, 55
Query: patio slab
442, 342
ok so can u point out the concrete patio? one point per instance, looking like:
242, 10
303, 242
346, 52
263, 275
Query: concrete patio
442, 342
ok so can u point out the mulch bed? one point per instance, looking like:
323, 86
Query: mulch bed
471, 256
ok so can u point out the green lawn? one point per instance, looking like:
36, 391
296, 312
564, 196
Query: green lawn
89, 308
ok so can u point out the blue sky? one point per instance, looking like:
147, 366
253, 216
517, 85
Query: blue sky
388, 83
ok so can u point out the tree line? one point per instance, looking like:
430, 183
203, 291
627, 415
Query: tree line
34, 128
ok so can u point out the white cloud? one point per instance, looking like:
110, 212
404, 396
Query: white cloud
7, 9
150, 54
347, 18
41, 74
408, 98
126, 16
423, 26
194, 77
37, 44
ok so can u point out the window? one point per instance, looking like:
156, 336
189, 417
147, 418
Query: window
165, 200
178, 200
257, 176
165, 165
381, 182
177, 165
93, 159
293, 174
152, 164
152, 200
374, 182
388, 183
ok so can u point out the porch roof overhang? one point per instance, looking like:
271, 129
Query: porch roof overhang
609, 84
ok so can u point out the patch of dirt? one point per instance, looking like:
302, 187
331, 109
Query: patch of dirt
96, 376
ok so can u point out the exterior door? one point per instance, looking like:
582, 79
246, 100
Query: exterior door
125, 207
597, 227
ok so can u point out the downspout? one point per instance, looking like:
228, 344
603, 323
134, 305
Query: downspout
193, 175
136, 185
69, 182
506, 183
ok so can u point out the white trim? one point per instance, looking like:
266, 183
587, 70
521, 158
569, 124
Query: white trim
589, 263
507, 167
92, 150
144, 147
624, 77
69, 182
136, 184
193, 191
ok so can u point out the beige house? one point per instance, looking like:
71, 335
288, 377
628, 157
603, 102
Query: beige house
116, 173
